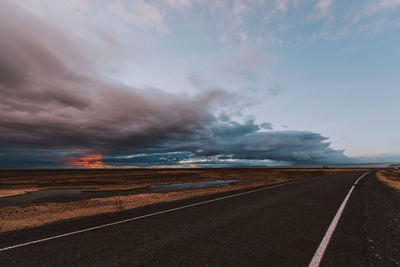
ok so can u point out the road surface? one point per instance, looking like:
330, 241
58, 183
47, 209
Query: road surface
275, 226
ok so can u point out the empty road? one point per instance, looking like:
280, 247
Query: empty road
276, 226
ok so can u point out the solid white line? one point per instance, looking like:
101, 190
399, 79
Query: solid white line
148, 215
316, 260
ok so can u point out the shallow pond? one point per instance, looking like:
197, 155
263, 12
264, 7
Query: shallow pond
213, 183
74, 194
30, 197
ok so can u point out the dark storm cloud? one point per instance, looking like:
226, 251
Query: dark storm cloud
53, 98
52, 95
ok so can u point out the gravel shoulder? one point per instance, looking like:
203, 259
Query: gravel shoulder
381, 222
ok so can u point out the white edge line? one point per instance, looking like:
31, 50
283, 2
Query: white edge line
319, 254
147, 215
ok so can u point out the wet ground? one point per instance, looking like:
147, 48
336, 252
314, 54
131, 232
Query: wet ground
202, 184
75, 194
39, 196
62, 195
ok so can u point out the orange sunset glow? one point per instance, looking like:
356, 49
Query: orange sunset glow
90, 161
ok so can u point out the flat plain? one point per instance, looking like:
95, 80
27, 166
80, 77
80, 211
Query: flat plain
112, 190
256, 217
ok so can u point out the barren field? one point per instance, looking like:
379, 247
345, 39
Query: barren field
116, 190
390, 177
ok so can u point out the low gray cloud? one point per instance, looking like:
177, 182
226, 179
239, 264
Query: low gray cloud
55, 104
247, 141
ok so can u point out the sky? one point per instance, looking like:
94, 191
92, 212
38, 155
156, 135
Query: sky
198, 83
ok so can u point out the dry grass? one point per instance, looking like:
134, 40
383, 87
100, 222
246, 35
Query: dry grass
390, 177
13, 218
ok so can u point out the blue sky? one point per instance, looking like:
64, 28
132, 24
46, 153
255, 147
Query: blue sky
324, 67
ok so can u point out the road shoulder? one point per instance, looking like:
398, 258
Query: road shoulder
368, 234
382, 223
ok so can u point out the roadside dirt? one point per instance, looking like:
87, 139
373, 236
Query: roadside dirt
391, 177
382, 222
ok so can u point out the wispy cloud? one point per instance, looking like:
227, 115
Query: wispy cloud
179, 3
282, 5
322, 9
376, 6
138, 13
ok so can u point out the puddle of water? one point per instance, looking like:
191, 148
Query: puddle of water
69, 194
38, 195
217, 183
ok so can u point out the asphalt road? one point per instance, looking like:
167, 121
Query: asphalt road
281, 226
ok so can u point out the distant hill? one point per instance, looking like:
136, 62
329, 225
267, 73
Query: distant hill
396, 166
348, 165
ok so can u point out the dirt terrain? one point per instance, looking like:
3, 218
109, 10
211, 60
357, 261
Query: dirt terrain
116, 190
381, 213
391, 177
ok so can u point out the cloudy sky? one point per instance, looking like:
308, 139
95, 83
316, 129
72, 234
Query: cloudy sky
96, 83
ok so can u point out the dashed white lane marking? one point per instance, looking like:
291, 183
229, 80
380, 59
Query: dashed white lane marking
319, 254
148, 215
